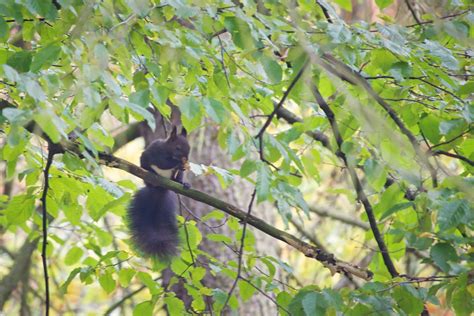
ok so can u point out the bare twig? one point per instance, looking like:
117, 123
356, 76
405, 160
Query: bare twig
325, 11
412, 10
241, 250
126, 297
441, 18
49, 161
340, 217
457, 156
452, 139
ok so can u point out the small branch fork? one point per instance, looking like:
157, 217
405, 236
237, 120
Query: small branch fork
355, 180
260, 134
49, 161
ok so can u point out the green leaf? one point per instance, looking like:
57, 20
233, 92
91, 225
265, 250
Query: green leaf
453, 213
283, 299
215, 110
467, 88
215, 214
72, 275
376, 174
462, 298
143, 112
395, 208
140, 7
141, 98
73, 256
391, 196
34, 89
174, 306
345, 4
144, 309
191, 113
430, 128
263, 182
20, 208
42, 8
125, 275
314, 304
219, 237
401, 70
272, 69
198, 274
246, 290
382, 4
20, 61
51, 124
45, 57
240, 30
441, 253
107, 282
407, 301
3, 28
248, 167
147, 280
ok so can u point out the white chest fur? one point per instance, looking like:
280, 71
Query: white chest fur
162, 172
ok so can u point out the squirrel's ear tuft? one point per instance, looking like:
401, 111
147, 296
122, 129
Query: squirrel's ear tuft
174, 132
184, 132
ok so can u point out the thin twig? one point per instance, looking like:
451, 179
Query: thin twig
49, 161
457, 156
452, 139
285, 95
259, 136
441, 18
241, 250
412, 10
186, 230
222, 61
265, 294
126, 297
325, 11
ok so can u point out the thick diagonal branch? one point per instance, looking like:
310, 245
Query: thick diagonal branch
311, 251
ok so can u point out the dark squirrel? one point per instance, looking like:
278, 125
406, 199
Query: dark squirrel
152, 212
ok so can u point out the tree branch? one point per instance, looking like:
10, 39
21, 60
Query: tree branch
292, 118
412, 10
327, 259
357, 184
49, 161
447, 153
339, 217
285, 95
346, 73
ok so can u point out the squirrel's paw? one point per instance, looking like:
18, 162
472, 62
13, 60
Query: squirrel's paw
186, 185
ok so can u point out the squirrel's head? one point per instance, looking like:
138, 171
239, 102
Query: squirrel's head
178, 146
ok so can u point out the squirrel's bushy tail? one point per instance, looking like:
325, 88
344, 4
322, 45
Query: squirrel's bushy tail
152, 222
